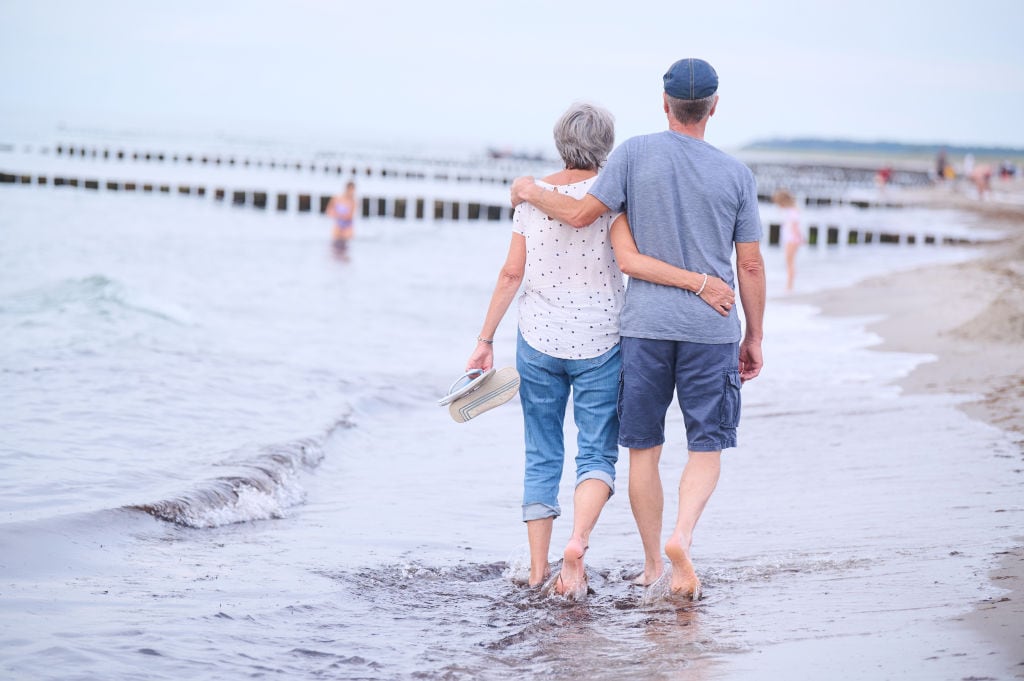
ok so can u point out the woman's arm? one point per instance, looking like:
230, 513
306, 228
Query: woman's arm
713, 291
509, 279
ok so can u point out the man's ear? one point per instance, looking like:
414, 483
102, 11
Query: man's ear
713, 107
664, 101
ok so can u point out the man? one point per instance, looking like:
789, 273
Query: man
688, 205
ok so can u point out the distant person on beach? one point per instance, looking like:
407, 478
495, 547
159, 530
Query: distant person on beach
940, 165
968, 167
792, 235
568, 340
688, 205
883, 177
341, 209
981, 177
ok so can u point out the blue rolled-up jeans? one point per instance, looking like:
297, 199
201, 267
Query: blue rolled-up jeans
544, 387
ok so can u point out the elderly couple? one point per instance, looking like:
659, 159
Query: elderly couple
667, 210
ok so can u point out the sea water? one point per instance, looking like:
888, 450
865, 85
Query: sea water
222, 457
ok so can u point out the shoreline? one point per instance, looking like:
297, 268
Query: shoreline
970, 317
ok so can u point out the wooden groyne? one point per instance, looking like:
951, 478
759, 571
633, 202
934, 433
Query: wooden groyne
826, 234
408, 188
819, 184
412, 207
404, 168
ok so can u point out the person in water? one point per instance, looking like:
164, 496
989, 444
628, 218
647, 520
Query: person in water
341, 209
792, 235
572, 292
568, 342
691, 205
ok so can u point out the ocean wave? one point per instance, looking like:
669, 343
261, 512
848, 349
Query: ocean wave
260, 488
96, 294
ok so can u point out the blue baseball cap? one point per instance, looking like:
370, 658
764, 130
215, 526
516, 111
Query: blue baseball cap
691, 79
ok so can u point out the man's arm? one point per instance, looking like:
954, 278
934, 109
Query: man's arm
751, 280
713, 290
573, 212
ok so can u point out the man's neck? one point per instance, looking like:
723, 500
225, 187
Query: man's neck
695, 131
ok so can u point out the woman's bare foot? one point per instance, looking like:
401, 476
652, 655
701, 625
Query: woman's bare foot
684, 578
573, 577
650, 574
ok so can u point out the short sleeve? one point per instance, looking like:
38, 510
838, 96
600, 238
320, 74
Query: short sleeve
610, 186
748, 219
517, 219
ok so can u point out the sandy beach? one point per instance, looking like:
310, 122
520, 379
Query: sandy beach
970, 316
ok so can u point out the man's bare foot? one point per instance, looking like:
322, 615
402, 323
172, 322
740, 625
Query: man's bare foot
572, 580
684, 577
531, 582
652, 573
648, 576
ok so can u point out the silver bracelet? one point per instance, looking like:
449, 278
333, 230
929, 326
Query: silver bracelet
484, 340
703, 284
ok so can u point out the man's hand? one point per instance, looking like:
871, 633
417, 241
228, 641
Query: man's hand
520, 187
751, 360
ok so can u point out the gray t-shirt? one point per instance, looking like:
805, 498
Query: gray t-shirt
687, 203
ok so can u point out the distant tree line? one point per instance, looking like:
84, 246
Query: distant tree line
839, 145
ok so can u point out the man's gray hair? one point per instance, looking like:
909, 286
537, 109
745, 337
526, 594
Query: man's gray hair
690, 111
584, 136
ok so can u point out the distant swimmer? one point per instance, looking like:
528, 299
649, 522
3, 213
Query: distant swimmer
341, 209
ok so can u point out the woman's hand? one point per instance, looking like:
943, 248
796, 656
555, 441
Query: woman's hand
718, 295
482, 358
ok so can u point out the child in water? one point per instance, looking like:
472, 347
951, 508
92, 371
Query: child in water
792, 235
341, 209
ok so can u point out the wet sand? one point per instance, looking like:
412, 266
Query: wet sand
970, 316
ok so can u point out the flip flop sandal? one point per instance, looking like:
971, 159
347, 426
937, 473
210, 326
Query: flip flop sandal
465, 384
494, 389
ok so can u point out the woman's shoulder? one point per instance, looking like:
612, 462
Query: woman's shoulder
567, 185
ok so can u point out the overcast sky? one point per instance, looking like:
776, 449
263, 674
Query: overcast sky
499, 73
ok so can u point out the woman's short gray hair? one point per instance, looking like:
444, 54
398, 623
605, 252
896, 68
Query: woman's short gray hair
690, 111
584, 136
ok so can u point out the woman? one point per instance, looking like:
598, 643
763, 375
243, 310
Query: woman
341, 209
792, 235
568, 341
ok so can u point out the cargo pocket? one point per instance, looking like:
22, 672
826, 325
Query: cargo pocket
730, 413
